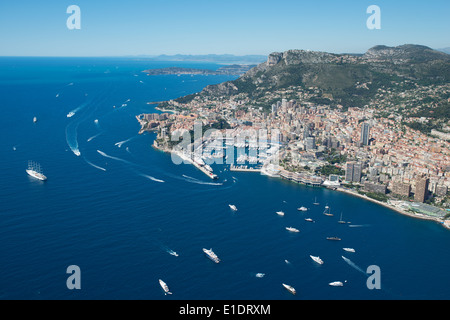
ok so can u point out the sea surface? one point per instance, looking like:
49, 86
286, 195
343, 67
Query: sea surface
120, 208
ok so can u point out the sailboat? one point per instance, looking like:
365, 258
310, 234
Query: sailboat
327, 211
340, 220
315, 202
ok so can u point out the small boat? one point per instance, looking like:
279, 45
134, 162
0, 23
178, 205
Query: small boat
349, 249
165, 287
309, 220
211, 255
260, 275
70, 114
336, 284
280, 213
34, 119
232, 207
291, 229
334, 238
289, 288
327, 211
302, 209
173, 253
317, 259
315, 202
341, 221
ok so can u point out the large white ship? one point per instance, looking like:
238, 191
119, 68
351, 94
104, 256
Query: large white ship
34, 170
211, 255
165, 287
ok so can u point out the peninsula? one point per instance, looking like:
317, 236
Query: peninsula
235, 69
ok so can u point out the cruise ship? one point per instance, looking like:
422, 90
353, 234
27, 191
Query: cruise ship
165, 287
317, 259
289, 288
35, 171
211, 255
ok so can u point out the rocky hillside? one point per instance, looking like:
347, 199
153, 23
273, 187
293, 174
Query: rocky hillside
345, 79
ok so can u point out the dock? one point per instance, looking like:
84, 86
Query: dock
244, 169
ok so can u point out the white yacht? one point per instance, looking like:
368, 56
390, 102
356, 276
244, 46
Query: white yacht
280, 213
70, 114
232, 207
165, 287
260, 275
309, 220
291, 229
211, 255
302, 209
289, 288
317, 259
336, 284
34, 119
349, 249
35, 171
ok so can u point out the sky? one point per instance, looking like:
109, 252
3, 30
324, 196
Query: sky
240, 27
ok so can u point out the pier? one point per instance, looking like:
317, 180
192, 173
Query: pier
244, 169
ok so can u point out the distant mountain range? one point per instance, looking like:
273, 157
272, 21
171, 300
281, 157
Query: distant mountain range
216, 58
340, 76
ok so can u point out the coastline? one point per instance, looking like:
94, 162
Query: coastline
444, 223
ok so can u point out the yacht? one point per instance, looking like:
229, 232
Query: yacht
35, 171
165, 287
334, 238
309, 220
349, 249
315, 202
336, 284
211, 255
34, 119
260, 275
70, 114
317, 259
280, 213
291, 229
302, 209
327, 211
232, 207
341, 221
290, 289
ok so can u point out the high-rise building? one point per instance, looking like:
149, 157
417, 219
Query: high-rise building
421, 189
365, 131
402, 189
353, 171
310, 143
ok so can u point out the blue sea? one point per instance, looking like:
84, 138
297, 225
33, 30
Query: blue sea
120, 208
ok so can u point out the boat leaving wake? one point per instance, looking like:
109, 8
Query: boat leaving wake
359, 225
93, 165
353, 265
152, 178
193, 180
114, 158
121, 143
93, 137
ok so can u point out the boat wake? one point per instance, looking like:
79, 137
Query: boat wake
93, 165
93, 137
121, 143
72, 138
359, 225
80, 107
353, 265
193, 180
114, 158
152, 178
